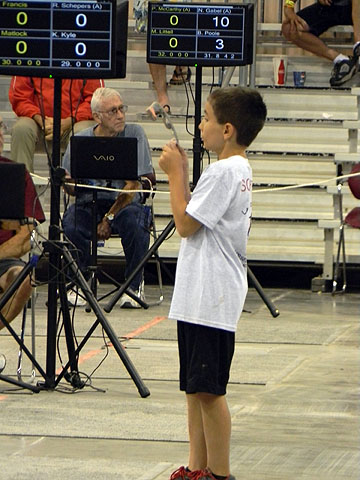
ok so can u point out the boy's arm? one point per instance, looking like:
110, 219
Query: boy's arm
174, 163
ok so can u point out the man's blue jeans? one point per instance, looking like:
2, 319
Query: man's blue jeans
131, 224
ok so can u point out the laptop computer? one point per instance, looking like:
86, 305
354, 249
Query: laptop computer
12, 189
112, 158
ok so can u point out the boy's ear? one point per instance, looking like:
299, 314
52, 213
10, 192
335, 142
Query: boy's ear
229, 131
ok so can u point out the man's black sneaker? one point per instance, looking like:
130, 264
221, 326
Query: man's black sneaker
343, 71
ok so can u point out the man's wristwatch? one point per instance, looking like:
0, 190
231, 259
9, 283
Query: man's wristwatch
109, 217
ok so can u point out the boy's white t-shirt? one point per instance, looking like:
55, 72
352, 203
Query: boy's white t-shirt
211, 275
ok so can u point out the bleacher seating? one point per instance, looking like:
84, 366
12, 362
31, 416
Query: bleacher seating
311, 135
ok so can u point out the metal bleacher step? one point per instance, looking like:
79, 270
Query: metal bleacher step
304, 139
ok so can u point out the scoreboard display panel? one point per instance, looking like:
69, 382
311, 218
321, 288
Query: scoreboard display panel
72, 39
205, 34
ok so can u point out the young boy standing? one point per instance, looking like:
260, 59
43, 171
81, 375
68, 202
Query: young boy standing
211, 277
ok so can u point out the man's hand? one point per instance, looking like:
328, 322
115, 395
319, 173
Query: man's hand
19, 244
103, 230
65, 125
48, 128
10, 225
327, 3
297, 24
69, 189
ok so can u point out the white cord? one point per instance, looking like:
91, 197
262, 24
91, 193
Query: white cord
272, 189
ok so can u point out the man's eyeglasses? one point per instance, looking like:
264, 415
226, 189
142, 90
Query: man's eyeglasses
115, 110
3, 126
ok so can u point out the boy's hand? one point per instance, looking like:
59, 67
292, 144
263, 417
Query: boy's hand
173, 158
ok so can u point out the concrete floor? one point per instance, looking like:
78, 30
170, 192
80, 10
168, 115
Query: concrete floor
293, 395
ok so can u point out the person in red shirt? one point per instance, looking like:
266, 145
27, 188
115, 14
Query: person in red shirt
14, 243
32, 100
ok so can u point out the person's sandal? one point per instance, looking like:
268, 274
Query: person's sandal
178, 78
167, 109
153, 114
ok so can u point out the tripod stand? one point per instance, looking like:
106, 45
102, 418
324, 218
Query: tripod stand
59, 255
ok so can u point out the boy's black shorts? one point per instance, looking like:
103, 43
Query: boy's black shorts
205, 358
320, 17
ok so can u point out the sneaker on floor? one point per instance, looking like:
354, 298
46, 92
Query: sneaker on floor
182, 473
127, 302
343, 71
2, 362
357, 55
75, 300
357, 51
206, 475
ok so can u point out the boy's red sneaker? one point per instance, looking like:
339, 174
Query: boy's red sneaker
182, 473
206, 475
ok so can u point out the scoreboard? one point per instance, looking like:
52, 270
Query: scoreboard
204, 34
58, 38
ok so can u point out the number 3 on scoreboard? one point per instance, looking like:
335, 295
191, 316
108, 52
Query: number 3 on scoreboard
219, 44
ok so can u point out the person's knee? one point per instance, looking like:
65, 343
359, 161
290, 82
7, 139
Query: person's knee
288, 33
207, 398
12, 274
68, 223
24, 129
69, 230
128, 221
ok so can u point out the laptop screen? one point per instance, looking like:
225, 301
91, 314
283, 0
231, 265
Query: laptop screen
112, 158
12, 188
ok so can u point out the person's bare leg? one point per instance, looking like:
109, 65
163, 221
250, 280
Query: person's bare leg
356, 20
309, 42
217, 430
197, 449
16, 303
158, 73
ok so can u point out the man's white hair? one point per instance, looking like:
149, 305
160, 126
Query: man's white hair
99, 95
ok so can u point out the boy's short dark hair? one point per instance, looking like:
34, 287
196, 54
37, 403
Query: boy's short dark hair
244, 108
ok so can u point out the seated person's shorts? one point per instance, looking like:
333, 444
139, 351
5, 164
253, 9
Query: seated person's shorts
6, 263
205, 358
320, 17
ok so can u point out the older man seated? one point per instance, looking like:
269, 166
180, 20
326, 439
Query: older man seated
123, 213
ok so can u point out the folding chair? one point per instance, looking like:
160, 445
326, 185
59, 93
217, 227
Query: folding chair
149, 185
352, 219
